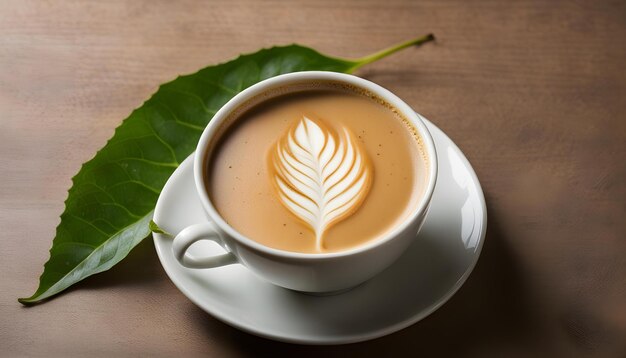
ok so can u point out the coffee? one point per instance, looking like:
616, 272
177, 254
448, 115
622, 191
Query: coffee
323, 168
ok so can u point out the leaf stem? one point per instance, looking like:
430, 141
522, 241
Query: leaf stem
390, 50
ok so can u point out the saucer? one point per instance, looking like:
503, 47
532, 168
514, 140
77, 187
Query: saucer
432, 269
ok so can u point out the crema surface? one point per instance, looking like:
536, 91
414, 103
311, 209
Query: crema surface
322, 170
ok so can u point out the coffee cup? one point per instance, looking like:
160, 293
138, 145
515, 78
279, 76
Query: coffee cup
330, 268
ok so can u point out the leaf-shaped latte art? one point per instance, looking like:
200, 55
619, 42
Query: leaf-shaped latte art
321, 176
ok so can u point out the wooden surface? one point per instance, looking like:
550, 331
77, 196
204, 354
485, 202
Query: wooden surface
534, 92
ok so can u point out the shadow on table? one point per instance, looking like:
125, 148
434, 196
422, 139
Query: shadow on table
493, 309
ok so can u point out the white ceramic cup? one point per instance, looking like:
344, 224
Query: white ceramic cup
308, 272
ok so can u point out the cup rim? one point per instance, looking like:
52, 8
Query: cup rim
291, 78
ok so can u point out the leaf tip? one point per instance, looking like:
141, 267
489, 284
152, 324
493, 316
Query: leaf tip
27, 301
156, 229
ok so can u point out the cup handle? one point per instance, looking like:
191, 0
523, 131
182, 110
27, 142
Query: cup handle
194, 233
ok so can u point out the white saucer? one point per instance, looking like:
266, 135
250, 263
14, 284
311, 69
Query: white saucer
424, 278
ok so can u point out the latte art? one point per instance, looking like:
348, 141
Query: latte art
320, 170
321, 176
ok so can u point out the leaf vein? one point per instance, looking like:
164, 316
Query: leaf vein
158, 137
192, 95
217, 85
178, 120
90, 224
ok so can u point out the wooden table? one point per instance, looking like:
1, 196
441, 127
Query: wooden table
534, 92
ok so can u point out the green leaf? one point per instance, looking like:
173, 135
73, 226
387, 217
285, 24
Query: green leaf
157, 230
110, 204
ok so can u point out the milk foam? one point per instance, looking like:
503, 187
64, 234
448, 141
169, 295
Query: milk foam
321, 176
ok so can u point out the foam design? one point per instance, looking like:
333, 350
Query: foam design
321, 176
